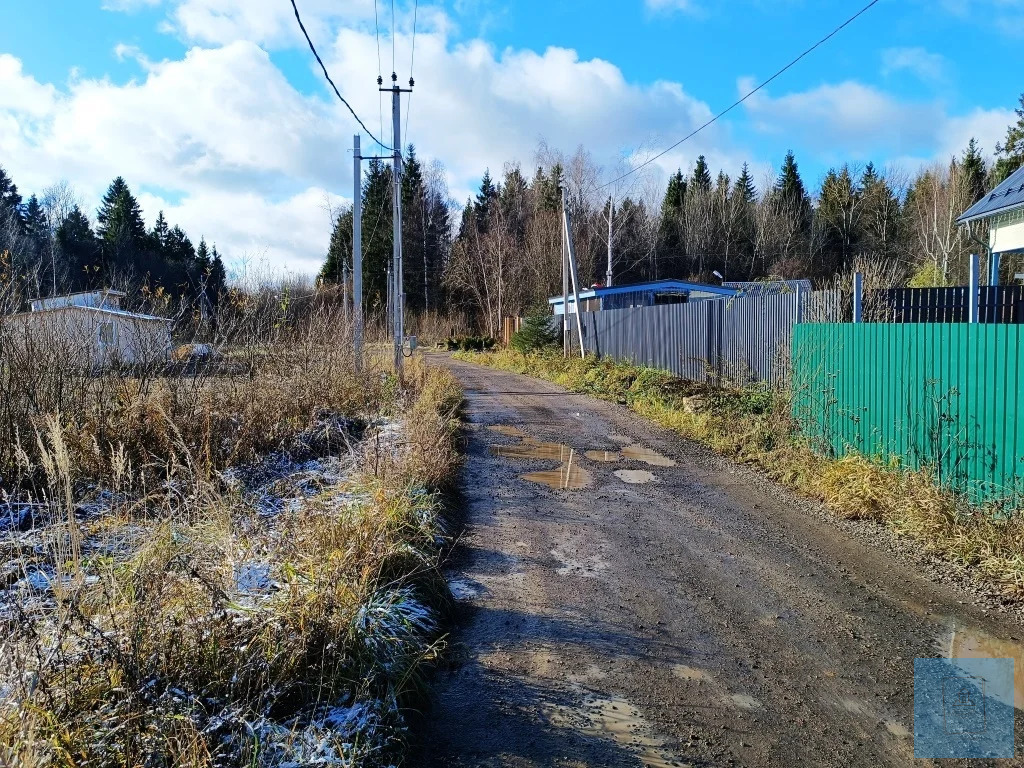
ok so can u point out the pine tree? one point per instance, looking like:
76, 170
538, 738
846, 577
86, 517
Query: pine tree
790, 186
36, 266
120, 227
745, 187
80, 252
339, 252
670, 248
1011, 151
536, 332
482, 205
414, 235
10, 200
216, 284
974, 173
701, 180
377, 232
159, 233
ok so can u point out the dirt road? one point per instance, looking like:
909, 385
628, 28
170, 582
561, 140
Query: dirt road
670, 615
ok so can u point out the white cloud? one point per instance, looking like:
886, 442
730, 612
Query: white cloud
289, 233
918, 61
667, 6
22, 94
857, 121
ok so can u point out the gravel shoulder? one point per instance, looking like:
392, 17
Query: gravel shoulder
704, 617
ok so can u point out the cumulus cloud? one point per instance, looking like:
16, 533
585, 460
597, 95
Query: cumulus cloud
918, 61
854, 121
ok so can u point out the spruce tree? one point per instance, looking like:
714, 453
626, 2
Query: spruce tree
701, 180
974, 173
377, 232
551, 194
670, 247
216, 284
1010, 152
745, 187
339, 252
80, 252
414, 235
10, 200
484, 199
120, 227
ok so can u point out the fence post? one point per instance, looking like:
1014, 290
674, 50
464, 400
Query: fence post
993, 269
972, 289
858, 297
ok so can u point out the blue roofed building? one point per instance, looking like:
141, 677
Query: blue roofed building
661, 292
1003, 208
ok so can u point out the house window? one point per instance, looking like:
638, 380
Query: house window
106, 333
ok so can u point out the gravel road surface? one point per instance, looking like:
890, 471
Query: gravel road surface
671, 608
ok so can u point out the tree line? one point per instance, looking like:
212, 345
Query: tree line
506, 256
426, 235
49, 247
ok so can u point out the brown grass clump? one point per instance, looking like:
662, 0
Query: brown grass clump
754, 425
233, 566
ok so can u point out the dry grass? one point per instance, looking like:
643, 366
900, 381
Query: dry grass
755, 426
236, 566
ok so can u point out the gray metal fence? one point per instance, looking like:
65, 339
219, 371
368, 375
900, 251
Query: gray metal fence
740, 340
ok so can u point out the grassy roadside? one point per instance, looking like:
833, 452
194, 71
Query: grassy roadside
754, 426
266, 612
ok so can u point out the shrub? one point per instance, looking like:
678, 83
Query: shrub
536, 333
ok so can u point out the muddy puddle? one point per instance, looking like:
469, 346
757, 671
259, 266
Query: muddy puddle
637, 452
618, 720
964, 643
605, 457
568, 477
635, 476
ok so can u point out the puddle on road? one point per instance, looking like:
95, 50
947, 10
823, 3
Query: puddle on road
619, 720
607, 457
635, 476
568, 477
974, 644
637, 452
533, 449
508, 431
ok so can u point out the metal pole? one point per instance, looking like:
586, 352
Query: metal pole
566, 334
611, 217
398, 293
858, 297
993, 269
344, 291
357, 253
571, 252
972, 289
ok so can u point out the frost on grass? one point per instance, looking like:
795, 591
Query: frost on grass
259, 626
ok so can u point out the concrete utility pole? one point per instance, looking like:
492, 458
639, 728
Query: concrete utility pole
566, 334
397, 292
357, 252
611, 218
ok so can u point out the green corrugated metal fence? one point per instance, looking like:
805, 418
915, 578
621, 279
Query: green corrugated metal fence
938, 395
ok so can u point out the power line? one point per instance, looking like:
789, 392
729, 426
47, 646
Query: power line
763, 85
302, 26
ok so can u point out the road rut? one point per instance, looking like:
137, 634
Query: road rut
668, 615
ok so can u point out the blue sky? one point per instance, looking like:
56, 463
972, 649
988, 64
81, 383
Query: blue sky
212, 109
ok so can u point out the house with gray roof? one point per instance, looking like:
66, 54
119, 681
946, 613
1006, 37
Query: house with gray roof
1003, 208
